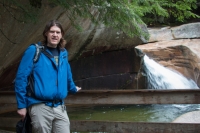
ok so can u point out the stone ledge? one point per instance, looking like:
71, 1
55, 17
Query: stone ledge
190, 117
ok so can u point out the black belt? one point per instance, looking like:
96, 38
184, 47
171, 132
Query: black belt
57, 101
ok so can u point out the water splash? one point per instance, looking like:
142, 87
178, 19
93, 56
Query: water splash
159, 77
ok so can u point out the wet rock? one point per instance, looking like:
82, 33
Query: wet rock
109, 70
180, 55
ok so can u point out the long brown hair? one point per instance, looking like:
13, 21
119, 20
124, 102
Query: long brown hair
48, 27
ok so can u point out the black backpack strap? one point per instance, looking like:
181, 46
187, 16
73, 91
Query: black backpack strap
46, 53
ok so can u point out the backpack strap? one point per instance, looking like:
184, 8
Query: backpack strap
47, 53
39, 48
30, 85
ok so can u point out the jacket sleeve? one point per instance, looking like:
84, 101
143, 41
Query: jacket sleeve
21, 80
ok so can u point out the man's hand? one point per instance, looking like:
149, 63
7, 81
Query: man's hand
78, 88
22, 113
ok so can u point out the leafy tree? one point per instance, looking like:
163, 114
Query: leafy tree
129, 15
112, 13
168, 11
126, 15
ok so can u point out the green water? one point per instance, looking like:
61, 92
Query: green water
134, 113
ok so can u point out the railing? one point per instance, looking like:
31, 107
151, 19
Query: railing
110, 97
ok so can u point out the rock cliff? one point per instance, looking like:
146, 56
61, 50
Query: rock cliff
101, 57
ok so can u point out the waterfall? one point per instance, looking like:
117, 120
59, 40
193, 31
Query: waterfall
159, 77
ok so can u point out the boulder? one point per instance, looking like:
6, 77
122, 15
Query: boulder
190, 117
160, 34
190, 30
180, 55
185, 31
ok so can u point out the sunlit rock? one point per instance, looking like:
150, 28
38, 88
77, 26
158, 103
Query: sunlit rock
180, 55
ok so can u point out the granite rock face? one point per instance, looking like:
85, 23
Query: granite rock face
177, 49
101, 57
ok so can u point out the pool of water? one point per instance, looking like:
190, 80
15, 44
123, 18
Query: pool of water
134, 113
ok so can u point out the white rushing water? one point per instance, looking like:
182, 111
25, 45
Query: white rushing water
159, 77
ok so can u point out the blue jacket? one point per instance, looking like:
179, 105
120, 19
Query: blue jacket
51, 82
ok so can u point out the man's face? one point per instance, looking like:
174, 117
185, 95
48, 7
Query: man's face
53, 36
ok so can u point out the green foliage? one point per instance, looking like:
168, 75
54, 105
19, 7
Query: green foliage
130, 15
112, 13
168, 11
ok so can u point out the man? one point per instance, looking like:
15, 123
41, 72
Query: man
52, 82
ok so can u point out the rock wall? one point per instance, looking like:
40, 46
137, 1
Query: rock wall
97, 54
101, 57
109, 70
